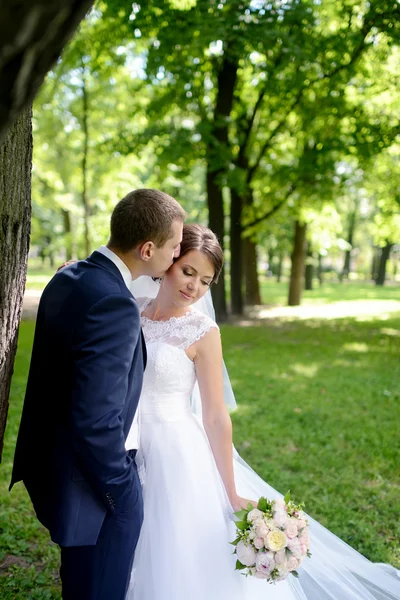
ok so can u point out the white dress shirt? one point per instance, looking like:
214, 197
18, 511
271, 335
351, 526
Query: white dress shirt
132, 440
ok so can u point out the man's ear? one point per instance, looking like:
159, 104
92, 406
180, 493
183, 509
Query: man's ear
146, 251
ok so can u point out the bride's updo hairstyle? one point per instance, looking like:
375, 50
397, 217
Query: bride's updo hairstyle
197, 237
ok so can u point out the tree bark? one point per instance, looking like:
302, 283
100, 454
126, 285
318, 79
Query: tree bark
85, 129
66, 215
32, 36
298, 259
375, 263
320, 273
279, 267
15, 213
309, 271
236, 253
217, 153
216, 224
252, 285
347, 254
385, 253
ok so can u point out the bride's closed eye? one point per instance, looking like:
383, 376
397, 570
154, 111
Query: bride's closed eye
189, 274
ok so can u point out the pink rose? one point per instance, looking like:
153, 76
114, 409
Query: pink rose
301, 524
292, 563
291, 528
304, 538
294, 546
303, 549
261, 575
262, 530
280, 557
265, 562
259, 543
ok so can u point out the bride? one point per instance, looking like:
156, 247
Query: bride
192, 477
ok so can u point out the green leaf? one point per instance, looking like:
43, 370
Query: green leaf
242, 525
241, 514
239, 566
249, 507
295, 574
235, 542
287, 497
262, 504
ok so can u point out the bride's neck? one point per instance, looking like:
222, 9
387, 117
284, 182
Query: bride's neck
161, 308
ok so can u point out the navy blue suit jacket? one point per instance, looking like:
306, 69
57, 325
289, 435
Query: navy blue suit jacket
83, 389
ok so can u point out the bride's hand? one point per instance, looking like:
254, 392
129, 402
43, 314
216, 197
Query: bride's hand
238, 503
69, 262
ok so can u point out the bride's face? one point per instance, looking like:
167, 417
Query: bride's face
189, 278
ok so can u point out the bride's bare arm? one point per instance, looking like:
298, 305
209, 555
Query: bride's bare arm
216, 419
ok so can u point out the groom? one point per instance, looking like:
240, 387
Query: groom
83, 389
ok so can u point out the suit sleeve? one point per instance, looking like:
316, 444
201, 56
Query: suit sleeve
103, 354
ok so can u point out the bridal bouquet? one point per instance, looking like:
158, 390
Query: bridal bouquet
272, 539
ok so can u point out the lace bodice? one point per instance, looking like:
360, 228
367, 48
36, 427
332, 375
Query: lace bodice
170, 374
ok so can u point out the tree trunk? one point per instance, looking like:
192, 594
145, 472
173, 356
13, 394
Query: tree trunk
298, 259
375, 263
67, 234
252, 285
236, 253
217, 154
309, 271
216, 223
32, 35
385, 253
347, 254
15, 213
85, 129
279, 267
320, 274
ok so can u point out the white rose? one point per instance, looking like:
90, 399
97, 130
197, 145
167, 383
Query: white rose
270, 523
279, 504
254, 515
280, 518
265, 562
283, 573
246, 554
276, 540
258, 523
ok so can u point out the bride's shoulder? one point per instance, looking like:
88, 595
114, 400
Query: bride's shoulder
201, 321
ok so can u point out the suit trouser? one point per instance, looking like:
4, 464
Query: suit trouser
102, 571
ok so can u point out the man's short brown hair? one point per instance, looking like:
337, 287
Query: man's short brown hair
144, 215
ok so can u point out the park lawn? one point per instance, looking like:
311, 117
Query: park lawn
318, 413
276, 294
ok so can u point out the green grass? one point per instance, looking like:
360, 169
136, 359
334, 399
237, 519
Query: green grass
319, 414
273, 293
23, 542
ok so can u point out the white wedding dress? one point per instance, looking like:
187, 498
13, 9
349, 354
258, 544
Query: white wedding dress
183, 551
